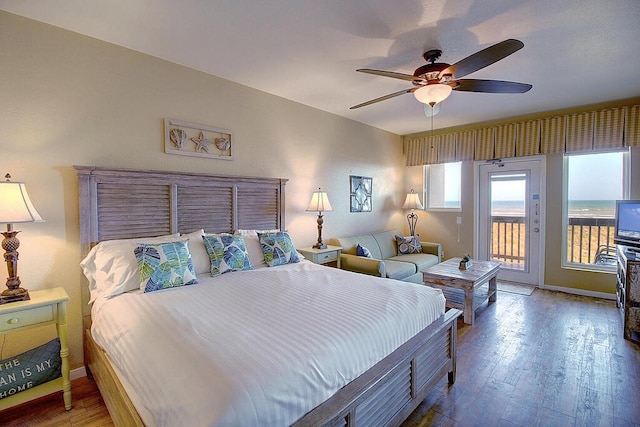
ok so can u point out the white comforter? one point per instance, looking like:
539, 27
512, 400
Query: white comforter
255, 348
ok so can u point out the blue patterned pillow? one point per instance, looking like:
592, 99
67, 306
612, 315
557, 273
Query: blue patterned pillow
409, 245
362, 251
227, 252
164, 265
278, 248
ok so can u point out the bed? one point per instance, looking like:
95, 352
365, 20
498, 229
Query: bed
357, 376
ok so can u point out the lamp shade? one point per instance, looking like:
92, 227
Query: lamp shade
15, 204
432, 93
412, 201
319, 202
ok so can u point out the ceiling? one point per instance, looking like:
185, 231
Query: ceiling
575, 52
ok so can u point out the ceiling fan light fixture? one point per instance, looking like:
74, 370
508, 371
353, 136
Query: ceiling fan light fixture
432, 93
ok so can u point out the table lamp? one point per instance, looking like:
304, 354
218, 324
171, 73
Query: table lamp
412, 202
15, 207
319, 203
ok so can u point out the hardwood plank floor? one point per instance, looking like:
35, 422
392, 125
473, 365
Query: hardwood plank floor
548, 359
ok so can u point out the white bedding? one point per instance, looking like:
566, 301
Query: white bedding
259, 347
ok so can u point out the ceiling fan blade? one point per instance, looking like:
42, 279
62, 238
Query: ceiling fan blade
483, 58
384, 98
409, 77
491, 86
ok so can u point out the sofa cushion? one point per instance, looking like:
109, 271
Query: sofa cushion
387, 242
421, 261
399, 270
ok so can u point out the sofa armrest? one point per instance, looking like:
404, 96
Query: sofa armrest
432, 248
359, 264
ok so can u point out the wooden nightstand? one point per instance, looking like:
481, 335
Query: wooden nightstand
47, 306
330, 255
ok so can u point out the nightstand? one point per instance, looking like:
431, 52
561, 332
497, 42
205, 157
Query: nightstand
46, 306
329, 255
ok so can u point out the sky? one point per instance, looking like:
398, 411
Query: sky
596, 176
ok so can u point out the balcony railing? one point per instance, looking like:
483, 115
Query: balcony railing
508, 241
590, 240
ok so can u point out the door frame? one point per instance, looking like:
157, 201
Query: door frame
543, 203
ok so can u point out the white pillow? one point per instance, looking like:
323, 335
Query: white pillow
254, 249
111, 266
199, 255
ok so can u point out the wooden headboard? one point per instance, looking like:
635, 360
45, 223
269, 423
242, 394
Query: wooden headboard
126, 203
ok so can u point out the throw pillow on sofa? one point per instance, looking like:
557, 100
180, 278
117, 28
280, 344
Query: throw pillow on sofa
408, 245
362, 251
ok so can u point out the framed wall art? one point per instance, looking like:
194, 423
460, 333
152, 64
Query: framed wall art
361, 190
191, 139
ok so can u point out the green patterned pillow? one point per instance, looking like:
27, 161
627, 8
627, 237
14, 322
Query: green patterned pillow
278, 248
227, 252
164, 265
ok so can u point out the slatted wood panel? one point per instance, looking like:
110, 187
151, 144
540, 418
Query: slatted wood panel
205, 207
392, 394
127, 210
258, 208
426, 364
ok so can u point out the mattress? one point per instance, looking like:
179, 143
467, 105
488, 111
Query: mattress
255, 348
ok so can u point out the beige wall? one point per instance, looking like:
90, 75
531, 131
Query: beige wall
69, 99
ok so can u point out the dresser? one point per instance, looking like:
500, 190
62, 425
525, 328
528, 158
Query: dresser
628, 290
46, 307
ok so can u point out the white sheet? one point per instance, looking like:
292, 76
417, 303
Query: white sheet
256, 348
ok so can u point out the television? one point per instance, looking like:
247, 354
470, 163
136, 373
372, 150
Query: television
627, 227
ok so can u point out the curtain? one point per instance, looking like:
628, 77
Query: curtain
597, 130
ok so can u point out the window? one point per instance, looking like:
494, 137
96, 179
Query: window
592, 184
442, 186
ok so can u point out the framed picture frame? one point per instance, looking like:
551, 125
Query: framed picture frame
191, 139
361, 190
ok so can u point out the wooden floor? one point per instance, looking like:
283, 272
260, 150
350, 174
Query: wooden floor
548, 359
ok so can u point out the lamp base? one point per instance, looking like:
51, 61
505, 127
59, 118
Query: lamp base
14, 295
319, 246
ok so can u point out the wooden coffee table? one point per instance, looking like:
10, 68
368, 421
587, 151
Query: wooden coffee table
464, 289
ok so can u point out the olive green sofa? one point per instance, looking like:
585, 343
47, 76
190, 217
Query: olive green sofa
385, 261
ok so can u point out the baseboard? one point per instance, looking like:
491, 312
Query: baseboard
77, 373
583, 292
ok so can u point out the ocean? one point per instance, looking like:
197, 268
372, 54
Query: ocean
577, 208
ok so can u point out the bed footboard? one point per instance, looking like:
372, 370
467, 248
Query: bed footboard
389, 392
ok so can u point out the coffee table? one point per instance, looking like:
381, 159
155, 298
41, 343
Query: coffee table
464, 289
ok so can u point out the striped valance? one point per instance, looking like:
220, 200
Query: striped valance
588, 131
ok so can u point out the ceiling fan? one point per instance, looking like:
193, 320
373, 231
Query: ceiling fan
433, 83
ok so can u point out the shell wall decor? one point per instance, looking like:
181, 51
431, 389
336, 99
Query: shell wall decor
191, 139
